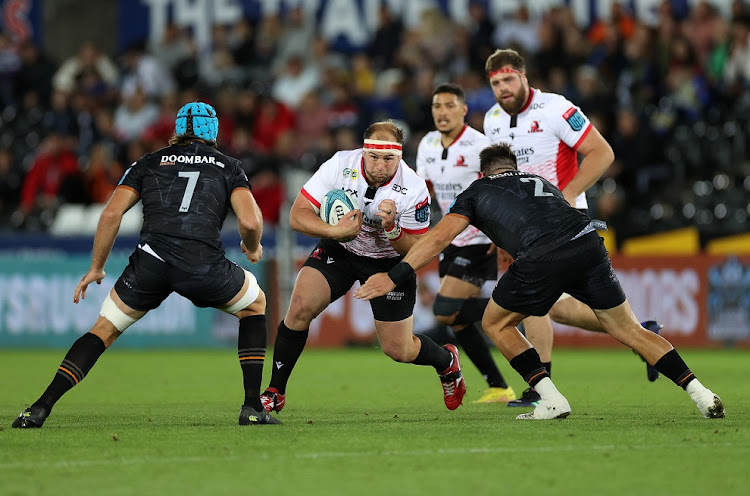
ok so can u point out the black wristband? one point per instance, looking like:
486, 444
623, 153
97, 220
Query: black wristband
401, 272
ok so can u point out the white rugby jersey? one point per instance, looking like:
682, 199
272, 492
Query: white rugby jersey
345, 170
544, 136
451, 170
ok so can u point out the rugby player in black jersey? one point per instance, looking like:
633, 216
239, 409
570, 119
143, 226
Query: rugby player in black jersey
187, 189
556, 250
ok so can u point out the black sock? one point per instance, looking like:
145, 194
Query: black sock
472, 310
548, 366
432, 354
472, 341
529, 366
80, 358
251, 350
286, 350
673, 367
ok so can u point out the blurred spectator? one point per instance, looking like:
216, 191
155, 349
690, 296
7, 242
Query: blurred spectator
299, 33
10, 184
387, 39
312, 122
88, 59
143, 70
35, 74
620, 20
134, 115
737, 69
157, 135
173, 47
480, 36
43, 186
268, 191
10, 62
60, 118
272, 119
217, 64
101, 175
520, 32
241, 43
297, 79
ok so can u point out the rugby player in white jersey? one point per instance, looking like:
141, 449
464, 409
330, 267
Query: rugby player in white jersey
547, 132
448, 159
394, 211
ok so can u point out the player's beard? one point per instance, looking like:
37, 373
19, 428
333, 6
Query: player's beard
514, 106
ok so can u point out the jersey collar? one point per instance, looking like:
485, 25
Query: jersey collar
528, 102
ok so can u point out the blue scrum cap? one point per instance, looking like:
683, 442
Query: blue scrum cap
200, 118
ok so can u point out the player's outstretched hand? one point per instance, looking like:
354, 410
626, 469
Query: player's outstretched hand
91, 276
348, 227
387, 213
376, 285
255, 255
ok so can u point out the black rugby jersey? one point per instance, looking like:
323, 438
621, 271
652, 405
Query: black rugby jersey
185, 192
522, 213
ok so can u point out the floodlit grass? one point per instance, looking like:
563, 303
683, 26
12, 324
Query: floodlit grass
165, 422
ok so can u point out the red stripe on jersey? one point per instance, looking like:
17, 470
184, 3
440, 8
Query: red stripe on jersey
583, 136
566, 164
310, 197
528, 102
415, 231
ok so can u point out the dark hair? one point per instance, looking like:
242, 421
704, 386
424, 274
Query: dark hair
385, 126
451, 88
186, 139
497, 155
501, 58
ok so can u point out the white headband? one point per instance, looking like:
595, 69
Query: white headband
383, 146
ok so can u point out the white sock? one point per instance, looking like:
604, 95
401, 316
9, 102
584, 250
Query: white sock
546, 388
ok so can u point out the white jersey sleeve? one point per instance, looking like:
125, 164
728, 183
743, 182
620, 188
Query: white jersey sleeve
323, 181
569, 123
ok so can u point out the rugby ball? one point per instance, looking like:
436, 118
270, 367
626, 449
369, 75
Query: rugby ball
336, 204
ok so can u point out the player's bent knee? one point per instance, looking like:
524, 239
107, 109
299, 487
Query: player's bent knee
117, 317
246, 300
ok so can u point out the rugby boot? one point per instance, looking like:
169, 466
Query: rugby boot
529, 398
497, 395
251, 416
272, 400
452, 380
554, 407
32, 417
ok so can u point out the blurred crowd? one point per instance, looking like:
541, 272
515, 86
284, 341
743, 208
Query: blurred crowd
672, 98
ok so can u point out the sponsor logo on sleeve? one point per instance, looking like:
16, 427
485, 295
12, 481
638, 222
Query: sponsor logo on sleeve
422, 211
574, 119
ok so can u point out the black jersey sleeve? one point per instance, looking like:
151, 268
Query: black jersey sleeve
239, 178
133, 177
465, 203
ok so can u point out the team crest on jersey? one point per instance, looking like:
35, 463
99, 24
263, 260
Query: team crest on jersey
535, 127
574, 118
422, 211
461, 162
496, 112
317, 253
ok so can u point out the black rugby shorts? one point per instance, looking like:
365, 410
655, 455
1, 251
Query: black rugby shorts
469, 263
147, 281
342, 268
580, 268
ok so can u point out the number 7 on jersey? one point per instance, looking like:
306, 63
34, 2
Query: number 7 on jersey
192, 178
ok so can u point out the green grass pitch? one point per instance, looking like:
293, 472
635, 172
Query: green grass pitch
165, 422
